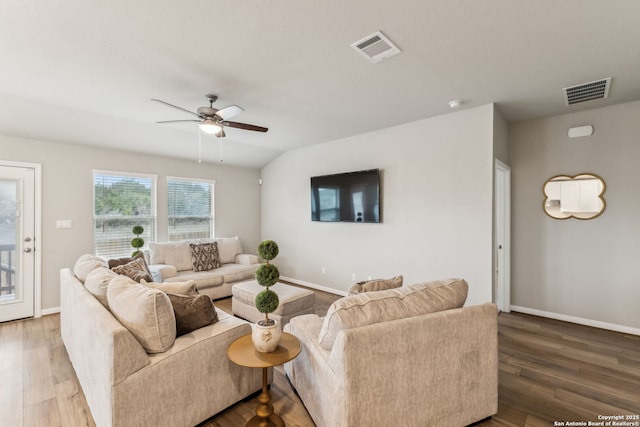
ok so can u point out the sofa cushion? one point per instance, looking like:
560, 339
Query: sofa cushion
374, 307
192, 312
85, 264
173, 253
136, 270
228, 248
97, 282
376, 285
147, 313
181, 288
204, 256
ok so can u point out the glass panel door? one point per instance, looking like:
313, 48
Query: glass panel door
8, 233
17, 226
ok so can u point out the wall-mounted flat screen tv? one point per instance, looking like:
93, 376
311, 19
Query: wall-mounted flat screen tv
346, 197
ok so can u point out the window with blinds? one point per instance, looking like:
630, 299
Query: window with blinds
190, 208
121, 202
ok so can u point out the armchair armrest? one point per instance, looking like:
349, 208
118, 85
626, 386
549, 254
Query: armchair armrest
160, 272
246, 259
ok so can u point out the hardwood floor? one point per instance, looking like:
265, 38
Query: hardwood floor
549, 371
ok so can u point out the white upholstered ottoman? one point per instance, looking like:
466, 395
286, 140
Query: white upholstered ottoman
294, 301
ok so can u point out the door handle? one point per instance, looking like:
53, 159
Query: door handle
27, 250
27, 239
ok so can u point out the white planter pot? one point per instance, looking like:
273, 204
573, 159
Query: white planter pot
266, 338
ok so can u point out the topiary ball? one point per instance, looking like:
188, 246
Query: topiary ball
267, 301
138, 229
267, 274
268, 250
137, 242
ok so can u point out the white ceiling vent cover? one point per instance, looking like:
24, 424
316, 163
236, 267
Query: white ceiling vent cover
598, 89
376, 47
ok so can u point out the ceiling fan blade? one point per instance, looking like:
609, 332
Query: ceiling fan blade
244, 126
176, 107
228, 112
178, 121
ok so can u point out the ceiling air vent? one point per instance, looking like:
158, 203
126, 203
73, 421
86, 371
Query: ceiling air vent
376, 47
598, 89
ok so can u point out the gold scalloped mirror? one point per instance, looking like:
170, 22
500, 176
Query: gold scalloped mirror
579, 196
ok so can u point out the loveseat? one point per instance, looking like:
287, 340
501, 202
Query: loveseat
410, 356
182, 383
172, 262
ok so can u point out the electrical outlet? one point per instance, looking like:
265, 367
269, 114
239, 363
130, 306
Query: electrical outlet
353, 276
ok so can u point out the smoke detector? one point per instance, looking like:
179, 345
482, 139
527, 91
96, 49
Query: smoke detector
598, 89
376, 47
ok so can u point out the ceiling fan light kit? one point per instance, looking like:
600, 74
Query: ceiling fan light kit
211, 120
209, 126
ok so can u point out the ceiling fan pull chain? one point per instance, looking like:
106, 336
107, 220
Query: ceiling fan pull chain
199, 146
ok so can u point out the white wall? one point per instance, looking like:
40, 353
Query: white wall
436, 198
67, 193
582, 269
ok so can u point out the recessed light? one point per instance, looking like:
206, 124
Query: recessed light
455, 104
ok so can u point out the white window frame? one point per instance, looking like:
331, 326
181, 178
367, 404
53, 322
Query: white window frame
212, 183
154, 211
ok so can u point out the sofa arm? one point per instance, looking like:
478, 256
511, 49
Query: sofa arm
161, 272
246, 259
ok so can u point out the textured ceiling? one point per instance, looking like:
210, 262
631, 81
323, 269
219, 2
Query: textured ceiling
83, 72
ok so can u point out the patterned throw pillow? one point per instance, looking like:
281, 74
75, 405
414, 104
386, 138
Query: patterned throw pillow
125, 260
204, 256
136, 270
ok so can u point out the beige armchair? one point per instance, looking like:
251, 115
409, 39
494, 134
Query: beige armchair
432, 369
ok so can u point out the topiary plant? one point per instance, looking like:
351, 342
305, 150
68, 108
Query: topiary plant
267, 275
137, 242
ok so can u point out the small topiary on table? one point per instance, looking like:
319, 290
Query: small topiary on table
267, 275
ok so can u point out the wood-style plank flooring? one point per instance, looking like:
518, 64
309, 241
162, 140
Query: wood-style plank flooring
549, 371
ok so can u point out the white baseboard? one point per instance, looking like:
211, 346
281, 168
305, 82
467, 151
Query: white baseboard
315, 286
578, 320
53, 310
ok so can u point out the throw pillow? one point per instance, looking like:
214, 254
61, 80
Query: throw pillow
376, 285
136, 270
147, 313
204, 256
97, 282
181, 288
192, 312
375, 307
85, 264
125, 260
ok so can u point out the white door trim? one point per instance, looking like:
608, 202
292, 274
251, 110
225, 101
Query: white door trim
37, 243
502, 268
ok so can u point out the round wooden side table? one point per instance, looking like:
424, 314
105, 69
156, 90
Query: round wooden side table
243, 353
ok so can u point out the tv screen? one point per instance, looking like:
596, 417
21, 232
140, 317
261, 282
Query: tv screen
346, 197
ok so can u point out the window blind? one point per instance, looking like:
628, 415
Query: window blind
120, 203
190, 208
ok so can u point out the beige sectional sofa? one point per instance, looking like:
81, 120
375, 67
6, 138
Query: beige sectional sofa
409, 356
126, 386
171, 262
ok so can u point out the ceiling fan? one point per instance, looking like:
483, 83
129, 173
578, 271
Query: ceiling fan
211, 120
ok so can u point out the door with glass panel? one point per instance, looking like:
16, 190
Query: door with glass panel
17, 242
